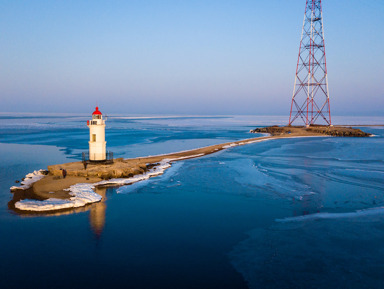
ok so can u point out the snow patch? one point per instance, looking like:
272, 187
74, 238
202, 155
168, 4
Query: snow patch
29, 180
230, 145
258, 140
187, 157
134, 187
46, 205
82, 194
155, 171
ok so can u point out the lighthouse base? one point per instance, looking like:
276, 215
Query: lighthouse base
104, 159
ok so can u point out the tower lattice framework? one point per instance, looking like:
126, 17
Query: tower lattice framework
310, 99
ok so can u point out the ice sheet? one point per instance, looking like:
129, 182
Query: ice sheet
355, 214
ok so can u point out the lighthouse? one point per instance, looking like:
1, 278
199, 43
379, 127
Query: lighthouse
97, 143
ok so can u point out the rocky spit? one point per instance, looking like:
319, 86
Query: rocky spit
120, 168
52, 190
338, 131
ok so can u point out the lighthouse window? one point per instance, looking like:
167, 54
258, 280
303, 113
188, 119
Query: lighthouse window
93, 137
96, 116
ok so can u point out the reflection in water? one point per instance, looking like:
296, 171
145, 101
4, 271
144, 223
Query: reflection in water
97, 212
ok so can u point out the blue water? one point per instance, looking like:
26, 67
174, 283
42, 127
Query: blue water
290, 213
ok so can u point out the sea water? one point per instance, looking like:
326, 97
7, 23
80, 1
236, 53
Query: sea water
289, 213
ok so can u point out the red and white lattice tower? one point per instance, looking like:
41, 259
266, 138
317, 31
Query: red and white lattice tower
310, 99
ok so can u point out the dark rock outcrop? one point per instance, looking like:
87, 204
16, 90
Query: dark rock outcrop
313, 130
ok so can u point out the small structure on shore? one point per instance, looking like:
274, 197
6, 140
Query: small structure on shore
97, 144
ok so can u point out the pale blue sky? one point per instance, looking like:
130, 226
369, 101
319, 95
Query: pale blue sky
187, 57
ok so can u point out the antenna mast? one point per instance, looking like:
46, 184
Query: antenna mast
310, 99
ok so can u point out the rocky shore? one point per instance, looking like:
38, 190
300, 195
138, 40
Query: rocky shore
120, 168
53, 191
339, 131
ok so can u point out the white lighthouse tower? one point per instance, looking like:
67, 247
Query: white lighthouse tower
97, 143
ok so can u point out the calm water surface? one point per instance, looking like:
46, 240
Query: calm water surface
293, 213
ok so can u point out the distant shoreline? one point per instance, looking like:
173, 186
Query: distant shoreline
358, 125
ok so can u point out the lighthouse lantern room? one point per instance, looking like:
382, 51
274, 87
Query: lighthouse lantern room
97, 143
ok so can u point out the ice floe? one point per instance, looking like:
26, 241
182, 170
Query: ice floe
355, 214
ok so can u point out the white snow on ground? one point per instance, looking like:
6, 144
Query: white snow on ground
166, 176
259, 140
83, 194
47, 205
29, 180
187, 157
155, 171
230, 145
359, 213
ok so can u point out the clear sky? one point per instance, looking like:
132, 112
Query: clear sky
183, 57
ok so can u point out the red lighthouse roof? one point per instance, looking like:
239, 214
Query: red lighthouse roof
97, 111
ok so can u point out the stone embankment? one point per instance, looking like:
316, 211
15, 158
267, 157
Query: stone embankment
313, 130
120, 168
